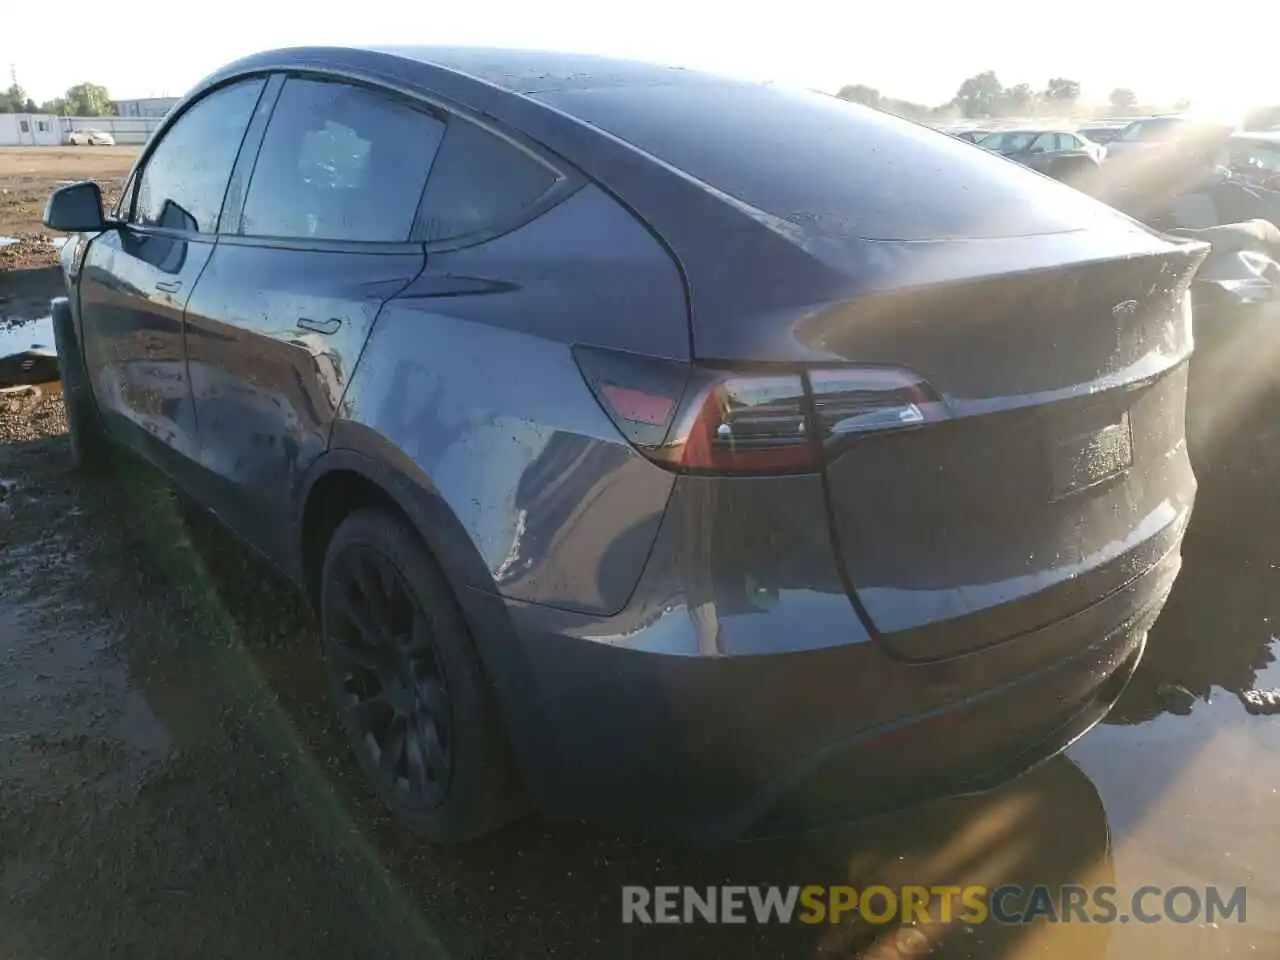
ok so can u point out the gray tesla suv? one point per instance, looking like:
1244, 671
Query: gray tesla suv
654, 447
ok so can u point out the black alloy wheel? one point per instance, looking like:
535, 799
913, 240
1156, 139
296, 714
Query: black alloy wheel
407, 680
393, 693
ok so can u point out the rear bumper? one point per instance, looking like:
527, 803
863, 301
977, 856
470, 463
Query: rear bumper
721, 747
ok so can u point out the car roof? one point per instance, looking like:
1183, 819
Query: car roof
543, 71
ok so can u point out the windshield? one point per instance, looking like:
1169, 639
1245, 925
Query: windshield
1010, 140
1152, 130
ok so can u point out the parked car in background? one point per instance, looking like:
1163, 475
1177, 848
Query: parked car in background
1159, 161
1060, 154
1232, 391
1038, 148
90, 138
1263, 119
667, 449
1150, 130
1254, 158
971, 136
1154, 133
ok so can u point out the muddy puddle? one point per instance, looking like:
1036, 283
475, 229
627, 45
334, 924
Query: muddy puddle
27, 352
29, 339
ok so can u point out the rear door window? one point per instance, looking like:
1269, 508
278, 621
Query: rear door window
340, 162
480, 182
184, 180
832, 167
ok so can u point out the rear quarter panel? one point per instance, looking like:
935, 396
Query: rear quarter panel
469, 375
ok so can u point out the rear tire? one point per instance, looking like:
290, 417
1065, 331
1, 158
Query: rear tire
90, 447
408, 684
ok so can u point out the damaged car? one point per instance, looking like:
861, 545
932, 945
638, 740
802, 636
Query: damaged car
654, 448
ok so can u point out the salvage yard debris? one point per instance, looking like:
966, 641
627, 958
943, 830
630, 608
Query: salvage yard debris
1261, 701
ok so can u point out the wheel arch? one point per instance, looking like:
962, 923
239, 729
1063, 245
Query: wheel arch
363, 468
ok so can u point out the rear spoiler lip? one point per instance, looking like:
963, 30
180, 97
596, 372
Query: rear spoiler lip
871, 268
1144, 372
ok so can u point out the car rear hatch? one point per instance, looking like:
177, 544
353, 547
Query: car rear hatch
993, 363
1044, 466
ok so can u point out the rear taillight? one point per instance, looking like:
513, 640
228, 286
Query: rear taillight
853, 400
713, 421
742, 423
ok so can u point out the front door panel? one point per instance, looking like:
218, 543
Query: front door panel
134, 286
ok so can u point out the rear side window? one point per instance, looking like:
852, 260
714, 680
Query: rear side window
479, 182
340, 162
185, 177
832, 167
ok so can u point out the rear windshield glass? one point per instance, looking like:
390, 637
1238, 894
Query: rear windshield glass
1152, 130
834, 167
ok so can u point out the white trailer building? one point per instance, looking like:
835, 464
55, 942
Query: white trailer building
30, 129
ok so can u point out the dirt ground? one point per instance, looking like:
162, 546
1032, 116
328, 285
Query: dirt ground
29, 174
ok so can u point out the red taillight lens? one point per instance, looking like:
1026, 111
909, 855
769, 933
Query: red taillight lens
637, 406
705, 421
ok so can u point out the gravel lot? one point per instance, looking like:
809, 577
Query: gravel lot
29, 174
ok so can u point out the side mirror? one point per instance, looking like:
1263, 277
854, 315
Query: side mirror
76, 208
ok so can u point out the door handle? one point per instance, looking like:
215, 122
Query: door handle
169, 286
320, 326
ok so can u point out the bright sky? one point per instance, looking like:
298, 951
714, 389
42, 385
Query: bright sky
917, 51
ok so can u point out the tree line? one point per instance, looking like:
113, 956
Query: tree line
978, 97
983, 96
82, 100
